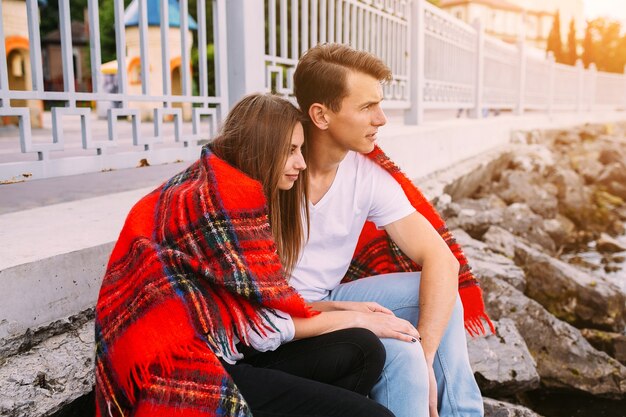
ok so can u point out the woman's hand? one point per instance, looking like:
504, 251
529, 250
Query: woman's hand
384, 325
363, 306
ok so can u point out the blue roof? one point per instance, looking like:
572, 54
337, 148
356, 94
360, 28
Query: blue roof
131, 15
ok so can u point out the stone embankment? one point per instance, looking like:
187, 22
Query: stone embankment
543, 227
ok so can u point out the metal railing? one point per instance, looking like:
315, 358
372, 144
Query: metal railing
437, 61
129, 102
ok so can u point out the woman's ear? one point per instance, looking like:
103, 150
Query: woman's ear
317, 113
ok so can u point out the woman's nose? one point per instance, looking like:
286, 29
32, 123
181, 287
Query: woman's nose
299, 163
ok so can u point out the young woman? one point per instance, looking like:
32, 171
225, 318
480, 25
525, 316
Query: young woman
197, 278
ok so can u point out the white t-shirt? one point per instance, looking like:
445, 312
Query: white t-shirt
361, 191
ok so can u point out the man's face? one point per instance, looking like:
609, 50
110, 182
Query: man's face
355, 126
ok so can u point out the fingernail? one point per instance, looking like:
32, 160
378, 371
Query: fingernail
413, 340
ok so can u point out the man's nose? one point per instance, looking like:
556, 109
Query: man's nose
379, 118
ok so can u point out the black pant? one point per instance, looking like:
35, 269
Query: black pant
323, 376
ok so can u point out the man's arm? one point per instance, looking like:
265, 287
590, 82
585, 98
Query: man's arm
416, 237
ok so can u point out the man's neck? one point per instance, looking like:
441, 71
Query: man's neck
322, 164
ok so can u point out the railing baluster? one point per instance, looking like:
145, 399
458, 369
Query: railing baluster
166, 71
143, 46
120, 47
284, 28
65, 28
94, 42
35, 45
202, 53
4, 77
185, 59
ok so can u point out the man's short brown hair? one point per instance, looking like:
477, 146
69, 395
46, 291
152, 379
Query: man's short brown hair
320, 76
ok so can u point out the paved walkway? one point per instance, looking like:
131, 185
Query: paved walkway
44, 192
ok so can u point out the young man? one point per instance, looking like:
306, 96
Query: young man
426, 373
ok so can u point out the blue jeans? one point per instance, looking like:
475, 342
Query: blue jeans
403, 385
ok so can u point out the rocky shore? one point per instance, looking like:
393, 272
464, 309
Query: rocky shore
543, 227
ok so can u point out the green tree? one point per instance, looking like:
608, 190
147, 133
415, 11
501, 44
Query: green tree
589, 50
554, 39
572, 53
609, 54
107, 29
49, 15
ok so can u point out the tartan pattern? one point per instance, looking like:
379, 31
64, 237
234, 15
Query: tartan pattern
377, 254
192, 267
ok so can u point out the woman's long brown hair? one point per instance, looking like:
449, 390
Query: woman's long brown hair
256, 139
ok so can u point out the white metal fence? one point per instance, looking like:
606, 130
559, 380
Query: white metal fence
437, 61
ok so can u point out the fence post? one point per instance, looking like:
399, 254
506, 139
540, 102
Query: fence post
592, 91
415, 114
580, 90
476, 112
521, 80
246, 48
624, 95
551, 80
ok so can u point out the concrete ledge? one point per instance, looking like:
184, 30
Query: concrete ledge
38, 293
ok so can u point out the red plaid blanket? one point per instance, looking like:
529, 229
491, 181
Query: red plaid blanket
193, 264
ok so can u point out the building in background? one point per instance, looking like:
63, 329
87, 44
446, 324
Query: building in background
133, 60
508, 20
53, 63
17, 49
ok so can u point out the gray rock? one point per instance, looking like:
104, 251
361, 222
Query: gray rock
485, 262
517, 218
527, 137
592, 131
523, 187
560, 229
520, 220
567, 138
536, 159
575, 198
611, 154
613, 178
501, 241
475, 222
589, 168
49, 376
489, 202
502, 363
614, 344
571, 294
608, 244
565, 360
495, 408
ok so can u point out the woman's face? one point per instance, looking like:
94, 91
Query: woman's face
295, 161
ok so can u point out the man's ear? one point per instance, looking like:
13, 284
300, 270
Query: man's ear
317, 113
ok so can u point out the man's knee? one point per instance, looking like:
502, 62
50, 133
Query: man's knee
405, 362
